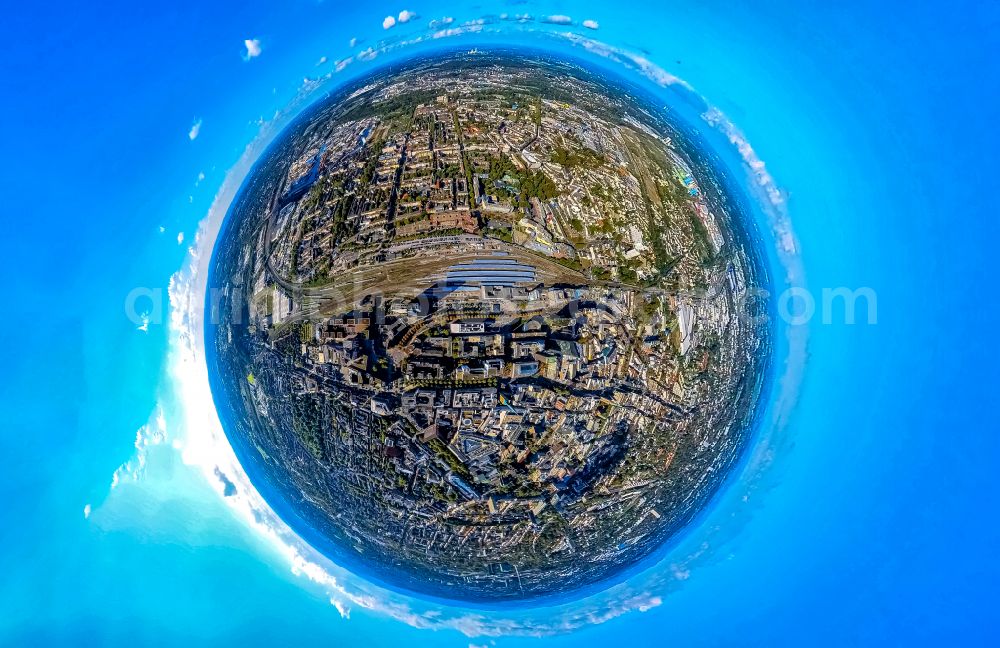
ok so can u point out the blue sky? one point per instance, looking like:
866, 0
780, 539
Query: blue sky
875, 522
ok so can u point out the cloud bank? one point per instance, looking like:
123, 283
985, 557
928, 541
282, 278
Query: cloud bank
253, 48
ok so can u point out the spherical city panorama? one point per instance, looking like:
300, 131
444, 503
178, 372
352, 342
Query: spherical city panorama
479, 326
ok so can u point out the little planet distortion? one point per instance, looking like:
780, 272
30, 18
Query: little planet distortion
480, 326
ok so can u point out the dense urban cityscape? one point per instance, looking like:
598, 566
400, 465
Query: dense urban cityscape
483, 324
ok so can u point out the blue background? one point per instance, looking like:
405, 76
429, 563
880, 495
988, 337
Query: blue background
877, 119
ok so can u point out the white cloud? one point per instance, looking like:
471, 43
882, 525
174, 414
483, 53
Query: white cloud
86, 511
180, 238
655, 72
406, 16
440, 22
652, 602
715, 118
195, 130
321, 60
590, 24
352, 42
340, 65
367, 54
388, 22
162, 229
253, 48
629, 59
151, 434
201, 177
342, 607
558, 19
470, 27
